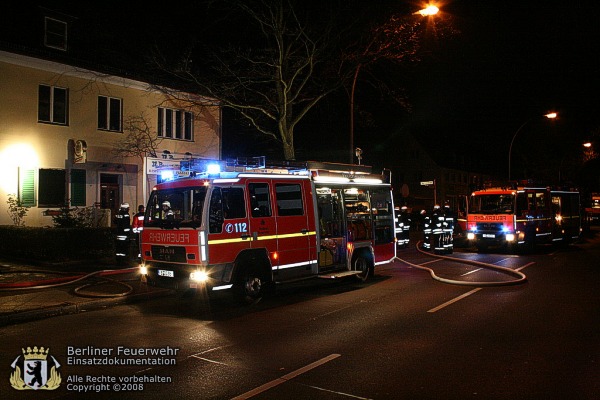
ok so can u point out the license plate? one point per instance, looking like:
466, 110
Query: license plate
165, 272
489, 235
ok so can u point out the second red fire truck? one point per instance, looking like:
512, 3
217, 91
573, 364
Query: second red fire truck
519, 215
245, 226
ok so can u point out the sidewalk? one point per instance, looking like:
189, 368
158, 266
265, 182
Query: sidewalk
29, 292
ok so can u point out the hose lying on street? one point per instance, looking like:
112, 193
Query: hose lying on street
63, 281
521, 278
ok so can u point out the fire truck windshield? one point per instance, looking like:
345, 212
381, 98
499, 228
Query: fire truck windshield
492, 204
175, 208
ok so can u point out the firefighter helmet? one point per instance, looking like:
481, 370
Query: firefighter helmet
166, 203
436, 207
124, 205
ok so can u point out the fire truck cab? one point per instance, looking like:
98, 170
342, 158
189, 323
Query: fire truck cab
244, 225
516, 216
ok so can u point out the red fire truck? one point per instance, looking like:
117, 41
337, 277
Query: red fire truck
245, 225
516, 215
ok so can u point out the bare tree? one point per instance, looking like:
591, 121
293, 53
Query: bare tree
138, 140
274, 79
398, 40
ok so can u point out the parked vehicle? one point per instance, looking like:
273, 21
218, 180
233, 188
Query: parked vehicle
245, 225
519, 215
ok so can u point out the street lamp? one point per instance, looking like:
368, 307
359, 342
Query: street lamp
552, 115
428, 11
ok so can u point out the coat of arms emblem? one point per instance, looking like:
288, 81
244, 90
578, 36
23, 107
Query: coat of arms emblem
35, 371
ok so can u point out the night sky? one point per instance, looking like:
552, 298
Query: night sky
511, 62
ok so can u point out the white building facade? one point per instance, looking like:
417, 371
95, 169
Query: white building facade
61, 126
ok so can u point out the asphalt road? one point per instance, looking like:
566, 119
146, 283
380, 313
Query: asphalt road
402, 335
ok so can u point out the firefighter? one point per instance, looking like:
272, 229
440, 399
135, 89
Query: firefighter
138, 226
167, 213
449, 223
437, 229
426, 230
404, 222
123, 222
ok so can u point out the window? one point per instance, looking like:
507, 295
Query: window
289, 199
55, 34
110, 114
51, 188
53, 105
233, 203
259, 200
175, 124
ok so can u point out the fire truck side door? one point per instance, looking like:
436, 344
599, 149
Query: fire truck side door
262, 219
295, 228
229, 232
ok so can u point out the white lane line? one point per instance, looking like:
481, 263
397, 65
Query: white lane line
454, 300
525, 266
472, 272
462, 296
285, 378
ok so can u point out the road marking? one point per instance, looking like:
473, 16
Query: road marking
454, 300
525, 266
285, 378
462, 296
471, 272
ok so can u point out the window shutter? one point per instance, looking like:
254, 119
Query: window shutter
27, 188
78, 187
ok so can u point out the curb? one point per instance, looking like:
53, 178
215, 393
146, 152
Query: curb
75, 308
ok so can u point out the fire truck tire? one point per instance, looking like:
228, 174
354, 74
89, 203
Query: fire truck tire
363, 264
250, 285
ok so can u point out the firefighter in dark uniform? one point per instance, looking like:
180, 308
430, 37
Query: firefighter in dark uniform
123, 222
404, 221
426, 230
449, 223
437, 229
137, 227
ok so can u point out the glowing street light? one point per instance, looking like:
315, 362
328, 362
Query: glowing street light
428, 11
551, 115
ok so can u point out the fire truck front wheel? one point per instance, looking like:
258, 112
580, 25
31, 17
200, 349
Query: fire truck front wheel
250, 285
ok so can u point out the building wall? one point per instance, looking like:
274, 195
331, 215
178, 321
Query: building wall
26, 144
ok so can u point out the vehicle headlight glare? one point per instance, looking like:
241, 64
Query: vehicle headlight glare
510, 237
199, 276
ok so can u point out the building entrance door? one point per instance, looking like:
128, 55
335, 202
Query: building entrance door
110, 195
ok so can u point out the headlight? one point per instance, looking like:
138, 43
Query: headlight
199, 276
143, 270
510, 237
470, 235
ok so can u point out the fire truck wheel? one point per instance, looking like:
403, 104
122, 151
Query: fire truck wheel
362, 264
249, 287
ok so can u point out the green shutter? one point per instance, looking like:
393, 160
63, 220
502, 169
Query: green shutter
78, 187
27, 187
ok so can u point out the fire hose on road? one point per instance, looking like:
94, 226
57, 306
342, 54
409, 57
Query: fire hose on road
520, 277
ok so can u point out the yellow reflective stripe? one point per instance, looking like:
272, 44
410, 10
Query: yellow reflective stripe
289, 235
270, 237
